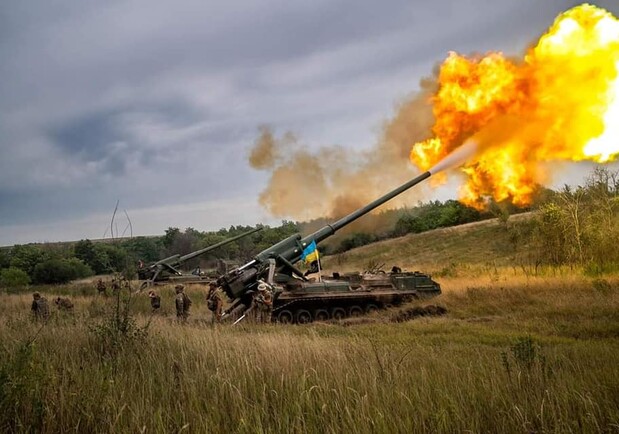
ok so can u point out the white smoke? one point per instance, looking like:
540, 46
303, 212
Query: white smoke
457, 158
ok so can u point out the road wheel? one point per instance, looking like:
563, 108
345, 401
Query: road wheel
284, 317
321, 315
303, 317
355, 311
338, 313
371, 308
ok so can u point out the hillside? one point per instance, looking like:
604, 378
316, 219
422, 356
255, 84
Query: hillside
480, 243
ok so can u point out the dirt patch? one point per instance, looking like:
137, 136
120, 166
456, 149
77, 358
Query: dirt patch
418, 311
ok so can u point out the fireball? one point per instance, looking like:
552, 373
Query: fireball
560, 102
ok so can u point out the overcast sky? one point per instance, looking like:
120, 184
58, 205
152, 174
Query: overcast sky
157, 103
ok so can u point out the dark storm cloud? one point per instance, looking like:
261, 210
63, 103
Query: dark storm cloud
156, 103
89, 137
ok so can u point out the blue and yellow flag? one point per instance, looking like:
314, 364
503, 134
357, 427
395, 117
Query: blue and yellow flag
310, 253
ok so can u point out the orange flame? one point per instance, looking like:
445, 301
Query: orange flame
561, 102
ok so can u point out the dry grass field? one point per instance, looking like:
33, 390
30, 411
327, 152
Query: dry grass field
515, 353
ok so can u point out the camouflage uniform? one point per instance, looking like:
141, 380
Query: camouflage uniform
115, 286
64, 304
40, 307
183, 303
101, 288
264, 303
155, 301
214, 303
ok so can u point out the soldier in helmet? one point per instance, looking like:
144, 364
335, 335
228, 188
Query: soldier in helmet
183, 303
101, 288
155, 300
40, 307
214, 302
264, 303
64, 304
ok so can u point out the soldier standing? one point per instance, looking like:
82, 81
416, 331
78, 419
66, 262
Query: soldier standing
115, 285
64, 304
214, 302
155, 300
101, 288
264, 301
40, 307
183, 303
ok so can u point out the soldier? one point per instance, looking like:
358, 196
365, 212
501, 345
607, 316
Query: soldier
183, 303
264, 303
155, 300
101, 288
64, 304
214, 302
40, 307
395, 269
115, 285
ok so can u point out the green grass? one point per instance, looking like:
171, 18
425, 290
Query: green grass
484, 243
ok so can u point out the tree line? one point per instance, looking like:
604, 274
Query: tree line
573, 226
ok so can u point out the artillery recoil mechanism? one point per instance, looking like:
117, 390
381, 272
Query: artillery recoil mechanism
331, 298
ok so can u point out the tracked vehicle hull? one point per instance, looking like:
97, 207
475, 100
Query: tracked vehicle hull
338, 297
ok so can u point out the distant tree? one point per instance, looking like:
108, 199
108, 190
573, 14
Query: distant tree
147, 249
110, 258
80, 269
13, 277
26, 257
170, 236
53, 271
5, 258
355, 240
85, 251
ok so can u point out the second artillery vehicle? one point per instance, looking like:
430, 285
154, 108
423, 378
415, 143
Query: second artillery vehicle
298, 299
167, 270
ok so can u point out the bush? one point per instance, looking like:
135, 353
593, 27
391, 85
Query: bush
355, 240
80, 270
14, 277
53, 271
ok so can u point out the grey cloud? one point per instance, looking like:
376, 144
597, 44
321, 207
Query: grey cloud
157, 103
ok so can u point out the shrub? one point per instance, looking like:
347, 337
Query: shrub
80, 270
14, 277
118, 330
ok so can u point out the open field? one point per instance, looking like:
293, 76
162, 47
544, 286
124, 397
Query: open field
484, 243
514, 354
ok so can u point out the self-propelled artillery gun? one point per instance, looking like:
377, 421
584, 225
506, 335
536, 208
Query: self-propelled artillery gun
167, 270
299, 299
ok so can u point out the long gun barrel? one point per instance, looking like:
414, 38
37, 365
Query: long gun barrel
192, 255
290, 250
173, 261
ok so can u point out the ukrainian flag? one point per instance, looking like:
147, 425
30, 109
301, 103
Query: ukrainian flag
310, 253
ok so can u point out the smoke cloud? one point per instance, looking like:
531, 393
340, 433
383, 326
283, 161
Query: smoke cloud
331, 181
461, 155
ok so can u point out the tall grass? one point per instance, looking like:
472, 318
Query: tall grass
526, 355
